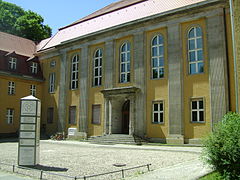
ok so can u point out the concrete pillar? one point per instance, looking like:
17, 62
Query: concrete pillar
62, 92
216, 43
110, 117
175, 85
83, 120
109, 64
106, 115
132, 116
140, 82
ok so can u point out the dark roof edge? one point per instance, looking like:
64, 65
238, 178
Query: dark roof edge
101, 14
25, 77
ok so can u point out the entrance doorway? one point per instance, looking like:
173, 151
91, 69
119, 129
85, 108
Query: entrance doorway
125, 117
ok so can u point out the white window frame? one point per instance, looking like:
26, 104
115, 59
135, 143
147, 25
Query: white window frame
52, 82
33, 89
11, 88
34, 67
158, 56
74, 72
10, 116
97, 66
198, 110
12, 63
196, 62
158, 112
124, 72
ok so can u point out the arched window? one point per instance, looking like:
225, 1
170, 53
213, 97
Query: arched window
74, 72
125, 61
97, 68
195, 51
157, 57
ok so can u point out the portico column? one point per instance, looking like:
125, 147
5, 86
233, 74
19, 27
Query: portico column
107, 112
110, 116
132, 115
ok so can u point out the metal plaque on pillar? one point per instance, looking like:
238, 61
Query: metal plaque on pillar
29, 131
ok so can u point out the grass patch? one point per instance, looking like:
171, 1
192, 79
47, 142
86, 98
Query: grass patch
212, 176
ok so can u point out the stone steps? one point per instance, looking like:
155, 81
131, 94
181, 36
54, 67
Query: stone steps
116, 139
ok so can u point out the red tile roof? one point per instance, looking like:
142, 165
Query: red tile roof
109, 8
21, 46
117, 15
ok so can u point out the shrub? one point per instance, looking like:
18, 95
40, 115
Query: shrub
222, 147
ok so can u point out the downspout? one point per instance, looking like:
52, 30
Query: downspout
234, 53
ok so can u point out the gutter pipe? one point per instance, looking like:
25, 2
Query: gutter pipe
234, 54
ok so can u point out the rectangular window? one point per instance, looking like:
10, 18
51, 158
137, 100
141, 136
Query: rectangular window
34, 67
50, 115
11, 88
51, 82
96, 115
12, 63
158, 112
33, 90
72, 115
9, 115
197, 110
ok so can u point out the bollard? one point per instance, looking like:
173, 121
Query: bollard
148, 167
41, 174
122, 173
13, 168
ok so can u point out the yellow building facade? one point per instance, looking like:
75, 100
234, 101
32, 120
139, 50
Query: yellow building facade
165, 75
20, 76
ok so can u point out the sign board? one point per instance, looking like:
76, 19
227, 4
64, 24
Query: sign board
29, 135
72, 131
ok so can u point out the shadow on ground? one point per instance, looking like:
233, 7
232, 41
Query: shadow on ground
47, 168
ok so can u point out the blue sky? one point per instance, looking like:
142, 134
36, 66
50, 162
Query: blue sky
59, 13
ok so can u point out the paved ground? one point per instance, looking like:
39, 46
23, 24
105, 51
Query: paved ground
10, 176
80, 158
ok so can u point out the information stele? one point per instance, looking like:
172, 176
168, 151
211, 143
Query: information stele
29, 131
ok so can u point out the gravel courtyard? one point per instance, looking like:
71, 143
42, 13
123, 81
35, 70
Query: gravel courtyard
78, 159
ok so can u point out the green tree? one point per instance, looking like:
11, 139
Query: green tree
222, 147
30, 26
27, 24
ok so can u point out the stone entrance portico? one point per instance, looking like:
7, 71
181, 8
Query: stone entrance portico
114, 101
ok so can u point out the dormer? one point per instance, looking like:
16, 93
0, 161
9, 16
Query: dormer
33, 65
12, 60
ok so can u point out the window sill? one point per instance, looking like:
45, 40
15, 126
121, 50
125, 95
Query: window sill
198, 122
163, 78
96, 124
202, 73
160, 123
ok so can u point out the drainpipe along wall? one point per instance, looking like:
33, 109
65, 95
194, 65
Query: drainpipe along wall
234, 53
